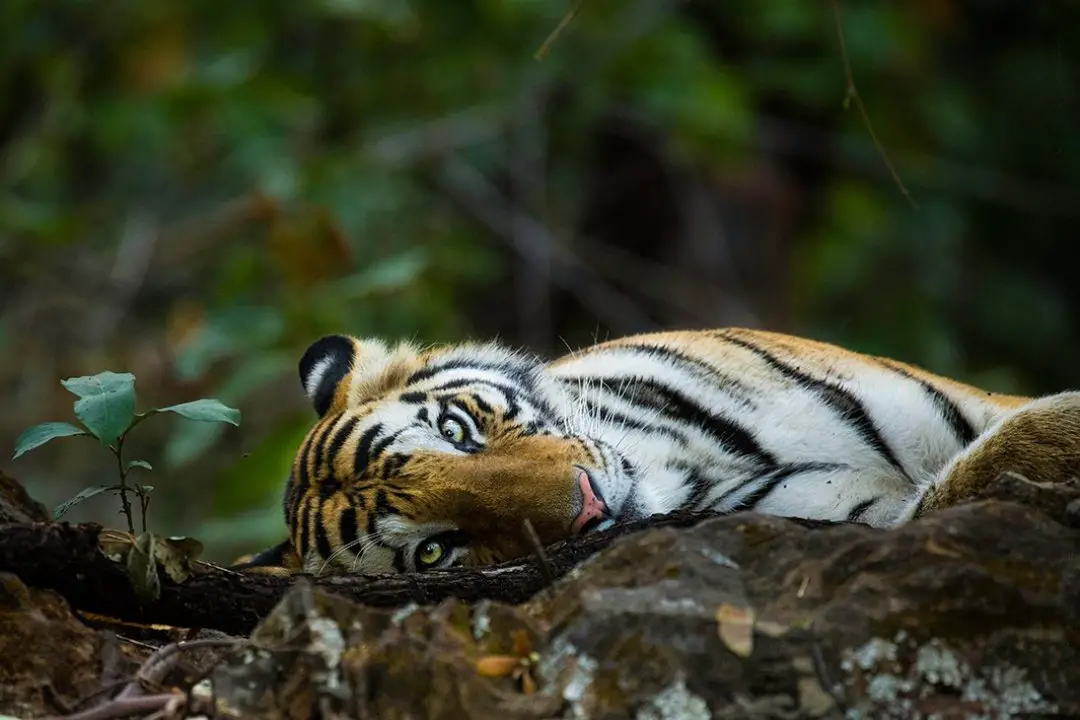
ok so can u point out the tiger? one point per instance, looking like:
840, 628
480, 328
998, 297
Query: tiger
426, 458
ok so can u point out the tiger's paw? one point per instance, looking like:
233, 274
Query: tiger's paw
1037, 444
280, 560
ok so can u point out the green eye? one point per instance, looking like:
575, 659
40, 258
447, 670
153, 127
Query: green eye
429, 553
452, 430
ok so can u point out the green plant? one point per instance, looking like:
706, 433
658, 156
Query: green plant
106, 407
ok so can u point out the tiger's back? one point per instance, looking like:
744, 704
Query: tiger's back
424, 459
777, 423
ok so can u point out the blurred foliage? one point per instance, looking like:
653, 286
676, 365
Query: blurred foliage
194, 191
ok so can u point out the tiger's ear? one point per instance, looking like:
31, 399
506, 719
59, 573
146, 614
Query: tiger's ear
339, 371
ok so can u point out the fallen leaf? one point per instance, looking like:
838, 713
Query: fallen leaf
736, 628
497, 665
177, 555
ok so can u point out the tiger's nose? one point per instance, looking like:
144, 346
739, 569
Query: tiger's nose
593, 508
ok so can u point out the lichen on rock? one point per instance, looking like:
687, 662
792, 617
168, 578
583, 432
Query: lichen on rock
964, 613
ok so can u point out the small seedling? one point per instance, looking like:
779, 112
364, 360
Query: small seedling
106, 407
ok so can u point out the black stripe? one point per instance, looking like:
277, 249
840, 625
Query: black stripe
690, 365
324, 480
305, 527
594, 455
961, 427
512, 395
339, 439
322, 538
458, 383
393, 464
318, 453
380, 447
671, 403
460, 404
383, 506
513, 409
347, 529
330, 482
371, 518
846, 405
769, 481
430, 371
606, 414
362, 457
301, 476
699, 490
857, 512
356, 497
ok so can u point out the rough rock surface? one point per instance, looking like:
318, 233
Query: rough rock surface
16, 505
969, 613
48, 658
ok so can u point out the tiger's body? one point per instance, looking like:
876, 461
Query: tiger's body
432, 459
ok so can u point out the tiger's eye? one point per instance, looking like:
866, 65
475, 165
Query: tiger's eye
452, 430
430, 553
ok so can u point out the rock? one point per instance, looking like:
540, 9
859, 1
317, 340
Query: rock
48, 659
16, 505
972, 611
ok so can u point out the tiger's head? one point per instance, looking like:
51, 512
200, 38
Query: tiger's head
432, 459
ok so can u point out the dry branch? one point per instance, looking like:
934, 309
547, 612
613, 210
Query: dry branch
65, 558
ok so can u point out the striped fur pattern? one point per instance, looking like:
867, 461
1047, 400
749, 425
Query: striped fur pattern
431, 459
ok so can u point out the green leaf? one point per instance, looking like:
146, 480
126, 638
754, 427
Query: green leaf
138, 464
63, 508
38, 435
106, 403
205, 410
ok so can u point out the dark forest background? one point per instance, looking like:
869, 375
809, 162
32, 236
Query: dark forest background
194, 191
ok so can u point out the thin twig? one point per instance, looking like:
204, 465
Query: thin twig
157, 666
138, 643
103, 690
821, 670
131, 699
542, 51
118, 450
852, 93
546, 569
123, 707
